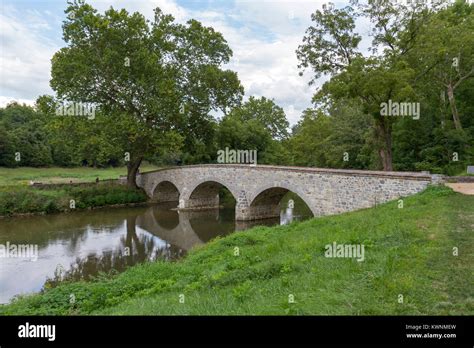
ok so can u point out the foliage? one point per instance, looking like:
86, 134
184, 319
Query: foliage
22, 131
338, 140
23, 200
266, 112
259, 124
421, 54
148, 77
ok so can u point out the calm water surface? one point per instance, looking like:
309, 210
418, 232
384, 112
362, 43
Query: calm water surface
81, 245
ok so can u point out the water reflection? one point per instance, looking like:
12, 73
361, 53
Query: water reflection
83, 245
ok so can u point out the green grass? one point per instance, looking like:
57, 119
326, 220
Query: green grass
16, 200
23, 175
17, 197
408, 252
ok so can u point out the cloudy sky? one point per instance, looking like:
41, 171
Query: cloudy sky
263, 35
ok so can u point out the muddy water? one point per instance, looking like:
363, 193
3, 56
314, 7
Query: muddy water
81, 245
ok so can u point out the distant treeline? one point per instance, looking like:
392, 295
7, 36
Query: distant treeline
38, 137
342, 138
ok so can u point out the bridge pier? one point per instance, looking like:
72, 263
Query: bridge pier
257, 212
203, 199
203, 202
203, 196
265, 205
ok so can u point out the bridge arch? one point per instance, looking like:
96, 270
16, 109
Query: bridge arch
165, 191
265, 202
205, 193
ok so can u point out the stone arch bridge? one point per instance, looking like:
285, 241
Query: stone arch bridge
259, 189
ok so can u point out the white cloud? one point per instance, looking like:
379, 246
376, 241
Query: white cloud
25, 55
4, 101
26, 50
263, 35
279, 16
270, 70
145, 7
266, 62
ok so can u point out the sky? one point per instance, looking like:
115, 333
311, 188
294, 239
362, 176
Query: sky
263, 34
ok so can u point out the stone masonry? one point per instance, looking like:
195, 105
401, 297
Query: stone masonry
259, 189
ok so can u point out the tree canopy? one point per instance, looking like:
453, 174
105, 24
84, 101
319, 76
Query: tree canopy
148, 77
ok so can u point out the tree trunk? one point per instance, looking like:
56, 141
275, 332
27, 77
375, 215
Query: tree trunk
132, 170
442, 107
454, 110
384, 134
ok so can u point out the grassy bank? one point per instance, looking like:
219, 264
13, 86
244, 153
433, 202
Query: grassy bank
408, 252
56, 175
17, 197
16, 200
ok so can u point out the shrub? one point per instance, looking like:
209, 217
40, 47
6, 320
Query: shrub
19, 200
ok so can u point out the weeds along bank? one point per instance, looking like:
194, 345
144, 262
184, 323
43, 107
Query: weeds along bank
16, 200
56, 192
409, 267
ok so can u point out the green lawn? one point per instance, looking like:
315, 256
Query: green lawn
408, 252
23, 175
17, 197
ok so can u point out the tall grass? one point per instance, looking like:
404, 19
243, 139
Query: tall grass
22, 200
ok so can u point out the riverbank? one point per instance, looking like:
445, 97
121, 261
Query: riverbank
22, 176
56, 187
30, 200
408, 268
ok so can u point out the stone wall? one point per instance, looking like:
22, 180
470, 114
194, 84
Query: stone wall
106, 182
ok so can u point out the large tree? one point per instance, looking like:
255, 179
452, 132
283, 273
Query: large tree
149, 77
330, 47
267, 113
22, 131
258, 124
338, 139
445, 51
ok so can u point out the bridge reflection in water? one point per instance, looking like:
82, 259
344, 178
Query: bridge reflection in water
84, 244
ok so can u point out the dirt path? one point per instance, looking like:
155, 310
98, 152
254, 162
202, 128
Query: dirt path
462, 187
